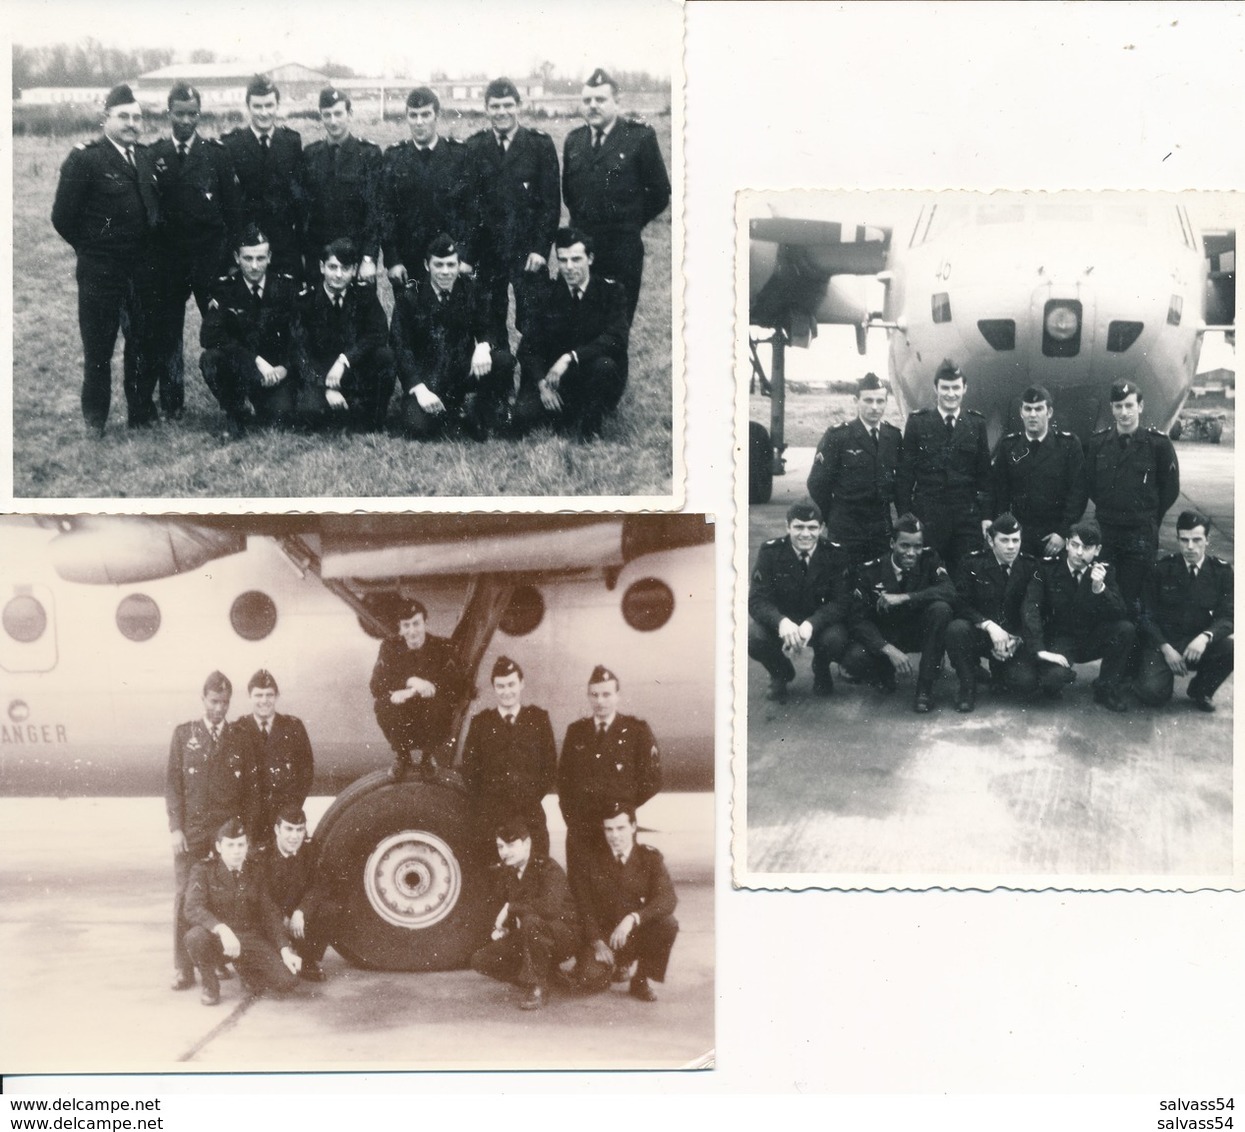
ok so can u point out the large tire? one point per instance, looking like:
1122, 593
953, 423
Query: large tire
1214, 430
405, 864
760, 464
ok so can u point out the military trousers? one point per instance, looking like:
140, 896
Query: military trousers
619, 255
1155, 682
1111, 642
367, 387
475, 405
863, 533
528, 954
259, 962
648, 946
182, 864
967, 644
923, 631
1131, 549
951, 528
233, 380
188, 270
828, 644
495, 276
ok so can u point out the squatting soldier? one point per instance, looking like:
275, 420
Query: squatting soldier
1039, 476
268, 160
614, 182
107, 209
1133, 477
944, 470
853, 476
428, 186
1186, 619
202, 206
520, 202
341, 190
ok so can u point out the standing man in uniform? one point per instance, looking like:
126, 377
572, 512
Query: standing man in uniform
1074, 613
853, 476
248, 339
341, 190
209, 780
614, 182
454, 375
904, 604
573, 356
989, 615
107, 209
280, 752
428, 186
1039, 477
1186, 620
202, 206
268, 160
510, 760
626, 905
944, 470
799, 597
416, 684
345, 366
1133, 477
606, 758
520, 203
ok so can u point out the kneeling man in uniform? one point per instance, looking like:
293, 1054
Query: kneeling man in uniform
235, 919
626, 904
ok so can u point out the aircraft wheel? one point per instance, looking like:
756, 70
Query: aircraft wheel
403, 861
1176, 429
760, 464
1214, 432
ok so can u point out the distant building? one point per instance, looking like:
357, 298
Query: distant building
223, 85
64, 96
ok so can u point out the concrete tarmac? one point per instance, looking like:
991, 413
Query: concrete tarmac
85, 962
856, 790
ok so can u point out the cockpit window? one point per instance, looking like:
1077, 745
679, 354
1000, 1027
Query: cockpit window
138, 617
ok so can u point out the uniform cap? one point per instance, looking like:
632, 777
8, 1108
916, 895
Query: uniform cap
869, 381
183, 92
260, 86
120, 95
501, 88
504, 666
441, 246
613, 809
600, 674
231, 829
292, 815
331, 96
262, 679
1121, 389
601, 77
513, 829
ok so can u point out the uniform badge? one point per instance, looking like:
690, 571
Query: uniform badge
194, 744
213, 305
618, 766
208, 195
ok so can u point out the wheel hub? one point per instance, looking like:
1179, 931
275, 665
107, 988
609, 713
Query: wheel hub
413, 879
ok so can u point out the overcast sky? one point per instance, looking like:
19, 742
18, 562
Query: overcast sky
397, 37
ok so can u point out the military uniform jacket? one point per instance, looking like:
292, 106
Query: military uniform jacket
271, 181
1041, 483
246, 329
935, 473
104, 207
240, 900
594, 326
984, 591
511, 761
341, 191
520, 198
623, 766
1176, 607
622, 186
322, 332
1131, 479
607, 890
200, 195
207, 783
421, 197
291, 881
435, 662
851, 471
927, 582
542, 891
433, 339
1057, 605
780, 587
283, 763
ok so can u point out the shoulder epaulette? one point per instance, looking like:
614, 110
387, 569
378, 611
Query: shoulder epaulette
973, 413
318, 144
212, 141
887, 424
287, 129
452, 141
538, 133
1062, 432
871, 562
634, 119
367, 141
1013, 435
1157, 432
1104, 431
922, 412
1216, 558
83, 145
775, 541
304, 290
285, 275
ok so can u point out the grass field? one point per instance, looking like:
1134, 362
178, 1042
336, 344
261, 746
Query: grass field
54, 459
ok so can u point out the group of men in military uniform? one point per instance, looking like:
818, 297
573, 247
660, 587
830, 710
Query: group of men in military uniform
991, 559
153, 225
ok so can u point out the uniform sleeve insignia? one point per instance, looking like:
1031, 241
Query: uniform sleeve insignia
941, 572
213, 305
161, 164
80, 145
820, 458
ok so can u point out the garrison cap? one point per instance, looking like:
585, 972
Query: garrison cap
600, 674
1121, 389
231, 829
501, 88
513, 829
440, 246
120, 95
184, 92
1005, 524
869, 381
613, 809
504, 666
601, 77
1036, 394
407, 608
292, 814
262, 679
261, 85
331, 96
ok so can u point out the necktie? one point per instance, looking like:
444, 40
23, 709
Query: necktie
1193, 571
425, 153
216, 733
950, 422
510, 720
254, 293
600, 727
264, 141
181, 151
129, 158
1078, 576
873, 432
598, 140
804, 561
620, 858
501, 146
263, 727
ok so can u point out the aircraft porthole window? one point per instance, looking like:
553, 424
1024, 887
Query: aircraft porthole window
648, 604
138, 617
524, 613
253, 615
24, 618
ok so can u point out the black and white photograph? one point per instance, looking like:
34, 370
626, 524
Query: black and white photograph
365, 793
338, 256
989, 538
